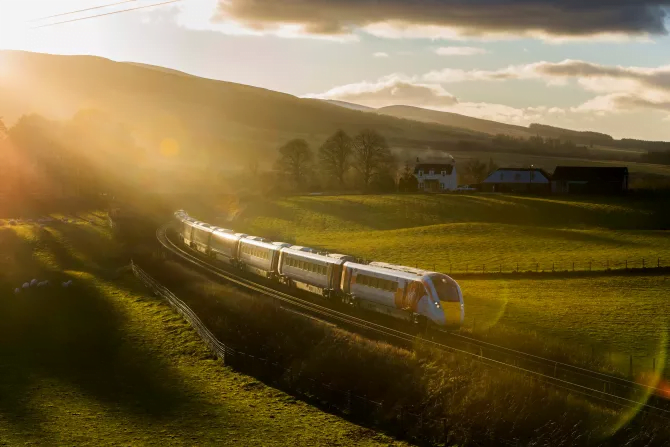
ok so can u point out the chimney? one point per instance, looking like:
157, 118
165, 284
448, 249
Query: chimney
417, 159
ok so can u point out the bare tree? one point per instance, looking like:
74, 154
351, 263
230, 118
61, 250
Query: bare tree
371, 155
475, 171
295, 161
335, 155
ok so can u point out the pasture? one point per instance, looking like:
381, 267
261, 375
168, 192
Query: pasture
617, 315
105, 363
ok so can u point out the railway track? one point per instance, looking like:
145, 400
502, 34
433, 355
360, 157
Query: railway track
605, 388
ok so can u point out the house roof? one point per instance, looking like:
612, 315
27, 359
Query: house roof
518, 175
590, 173
437, 167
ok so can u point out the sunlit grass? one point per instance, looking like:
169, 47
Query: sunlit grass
105, 363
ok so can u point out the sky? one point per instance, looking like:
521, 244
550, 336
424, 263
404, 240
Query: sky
601, 65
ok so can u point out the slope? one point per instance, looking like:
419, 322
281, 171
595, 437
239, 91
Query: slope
206, 117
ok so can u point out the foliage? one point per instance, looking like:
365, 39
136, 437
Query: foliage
3, 129
475, 171
335, 154
371, 155
295, 162
408, 181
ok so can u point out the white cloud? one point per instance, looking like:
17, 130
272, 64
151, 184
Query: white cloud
391, 90
380, 54
460, 51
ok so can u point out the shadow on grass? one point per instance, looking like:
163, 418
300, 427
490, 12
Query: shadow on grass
76, 337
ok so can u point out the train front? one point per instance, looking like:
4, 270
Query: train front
445, 291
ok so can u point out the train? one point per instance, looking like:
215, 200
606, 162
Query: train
414, 295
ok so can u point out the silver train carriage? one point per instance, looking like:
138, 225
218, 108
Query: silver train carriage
259, 256
315, 273
224, 245
406, 295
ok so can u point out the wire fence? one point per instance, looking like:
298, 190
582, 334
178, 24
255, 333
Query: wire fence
650, 264
401, 420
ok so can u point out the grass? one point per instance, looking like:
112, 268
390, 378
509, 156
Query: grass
105, 363
481, 405
617, 316
459, 232
612, 317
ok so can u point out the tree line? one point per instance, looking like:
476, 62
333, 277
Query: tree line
363, 161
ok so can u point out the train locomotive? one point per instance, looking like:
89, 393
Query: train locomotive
406, 293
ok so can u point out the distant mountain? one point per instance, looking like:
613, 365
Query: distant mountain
350, 105
455, 120
212, 121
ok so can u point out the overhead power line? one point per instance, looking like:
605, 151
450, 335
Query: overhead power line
82, 10
107, 14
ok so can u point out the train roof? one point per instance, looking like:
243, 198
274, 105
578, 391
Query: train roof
383, 271
258, 242
303, 249
201, 225
314, 256
403, 268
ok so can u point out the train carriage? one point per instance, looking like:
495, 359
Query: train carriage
200, 236
402, 294
312, 272
440, 286
224, 245
258, 256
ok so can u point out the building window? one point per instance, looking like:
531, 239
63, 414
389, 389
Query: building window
432, 172
441, 185
420, 185
420, 173
444, 173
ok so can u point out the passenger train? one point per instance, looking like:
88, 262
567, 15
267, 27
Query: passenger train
415, 295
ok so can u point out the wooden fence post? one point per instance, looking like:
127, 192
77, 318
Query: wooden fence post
573, 266
626, 264
658, 263
483, 268
590, 265
643, 266
553, 264
537, 267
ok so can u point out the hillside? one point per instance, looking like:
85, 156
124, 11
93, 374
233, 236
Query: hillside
455, 120
208, 118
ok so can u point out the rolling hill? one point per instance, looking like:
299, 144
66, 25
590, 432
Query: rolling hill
225, 121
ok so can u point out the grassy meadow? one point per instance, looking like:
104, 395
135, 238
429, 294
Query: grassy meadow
105, 363
621, 315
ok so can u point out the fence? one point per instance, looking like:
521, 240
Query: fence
402, 421
651, 264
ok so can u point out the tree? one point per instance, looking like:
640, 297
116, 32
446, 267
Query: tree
475, 171
295, 161
3, 129
335, 155
371, 155
492, 166
408, 181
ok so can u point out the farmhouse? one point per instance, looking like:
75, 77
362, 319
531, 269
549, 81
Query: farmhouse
533, 180
589, 180
436, 177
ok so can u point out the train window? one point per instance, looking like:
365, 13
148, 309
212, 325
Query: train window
446, 289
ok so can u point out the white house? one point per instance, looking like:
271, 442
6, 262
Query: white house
437, 176
518, 180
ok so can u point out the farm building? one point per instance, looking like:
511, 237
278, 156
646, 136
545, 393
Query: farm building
533, 180
589, 180
436, 177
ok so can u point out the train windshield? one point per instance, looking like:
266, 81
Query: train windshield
446, 288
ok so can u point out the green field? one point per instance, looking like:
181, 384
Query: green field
459, 232
106, 363
625, 315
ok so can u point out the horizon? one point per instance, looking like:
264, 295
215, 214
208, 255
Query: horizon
604, 73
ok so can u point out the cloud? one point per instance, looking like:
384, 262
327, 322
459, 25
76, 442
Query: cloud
619, 88
450, 18
380, 54
460, 51
391, 90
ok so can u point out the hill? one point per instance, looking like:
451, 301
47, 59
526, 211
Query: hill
213, 121
455, 120
350, 105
